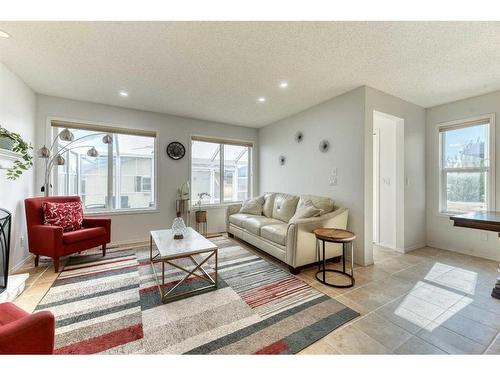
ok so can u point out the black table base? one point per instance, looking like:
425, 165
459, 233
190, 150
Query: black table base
323, 270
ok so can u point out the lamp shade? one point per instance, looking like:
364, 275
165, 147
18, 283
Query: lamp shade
66, 135
107, 139
92, 152
60, 160
43, 152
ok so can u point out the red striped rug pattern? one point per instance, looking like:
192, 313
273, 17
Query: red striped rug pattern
96, 304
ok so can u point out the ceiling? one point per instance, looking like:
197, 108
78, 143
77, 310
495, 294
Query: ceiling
217, 70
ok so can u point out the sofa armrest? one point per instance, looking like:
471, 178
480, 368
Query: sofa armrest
32, 334
45, 239
230, 210
301, 242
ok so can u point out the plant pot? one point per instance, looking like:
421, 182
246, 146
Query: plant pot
201, 216
6, 143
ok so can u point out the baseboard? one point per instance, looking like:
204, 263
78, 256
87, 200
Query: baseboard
465, 252
20, 264
411, 248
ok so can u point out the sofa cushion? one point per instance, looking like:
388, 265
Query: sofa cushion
267, 208
275, 233
305, 211
252, 206
237, 219
253, 223
324, 203
83, 234
284, 206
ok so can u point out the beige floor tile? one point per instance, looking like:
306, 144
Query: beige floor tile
466, 308
319, 347
382, 330
494, 348
475, 331
368, 297
397, 314
449, 341
350, 340
416, 345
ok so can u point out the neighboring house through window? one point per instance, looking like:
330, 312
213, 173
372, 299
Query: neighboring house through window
221, 169
122, 175
467, 165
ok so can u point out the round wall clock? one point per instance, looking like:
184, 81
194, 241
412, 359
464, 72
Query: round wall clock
176, 150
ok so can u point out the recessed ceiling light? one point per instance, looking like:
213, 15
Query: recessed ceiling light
261, 99
4, 34
283, 84
123, 93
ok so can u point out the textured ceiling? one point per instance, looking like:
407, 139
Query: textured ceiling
217, 70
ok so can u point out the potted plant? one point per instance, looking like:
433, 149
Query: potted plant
201, 216
14, 142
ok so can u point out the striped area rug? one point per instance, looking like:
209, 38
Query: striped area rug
96, 304
112, 305
259, 308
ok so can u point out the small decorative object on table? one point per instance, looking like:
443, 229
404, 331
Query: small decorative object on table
201, 216
178, 227
339, 236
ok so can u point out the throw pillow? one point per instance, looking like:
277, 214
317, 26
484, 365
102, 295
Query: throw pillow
306, 210
252, 206
68, 215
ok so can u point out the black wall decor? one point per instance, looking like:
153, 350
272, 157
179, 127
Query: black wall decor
5, 225
176, 150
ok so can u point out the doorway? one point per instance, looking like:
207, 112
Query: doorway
388, 181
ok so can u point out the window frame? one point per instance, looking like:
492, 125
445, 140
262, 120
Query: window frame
52, 124
441, 128
221, 142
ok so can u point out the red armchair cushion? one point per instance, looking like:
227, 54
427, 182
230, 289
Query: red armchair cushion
68, 215
83, 234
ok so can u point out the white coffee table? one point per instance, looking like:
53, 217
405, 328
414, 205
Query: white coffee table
169, 249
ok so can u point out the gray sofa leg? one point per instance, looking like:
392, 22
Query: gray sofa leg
293, 270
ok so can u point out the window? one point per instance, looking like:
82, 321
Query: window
121, 176
466, 158
221, 170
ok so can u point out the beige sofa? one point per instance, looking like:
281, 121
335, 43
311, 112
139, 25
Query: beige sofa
291, 242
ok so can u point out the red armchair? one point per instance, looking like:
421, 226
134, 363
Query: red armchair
51, 241
23, 333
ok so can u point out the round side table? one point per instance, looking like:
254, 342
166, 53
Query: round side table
333, 235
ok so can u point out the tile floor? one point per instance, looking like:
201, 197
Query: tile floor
429, 301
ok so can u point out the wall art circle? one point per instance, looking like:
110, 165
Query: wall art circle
176, 150
299, 137
324, 145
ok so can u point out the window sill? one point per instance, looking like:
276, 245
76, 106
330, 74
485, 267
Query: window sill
122, 212
214, 206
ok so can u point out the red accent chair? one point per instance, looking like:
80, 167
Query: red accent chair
23, 333
51, 241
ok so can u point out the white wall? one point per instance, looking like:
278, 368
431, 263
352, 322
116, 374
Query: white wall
172, 174
307, 170
386, 130
413, 199
440, 230
17, 113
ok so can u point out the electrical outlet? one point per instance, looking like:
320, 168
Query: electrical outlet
333, 177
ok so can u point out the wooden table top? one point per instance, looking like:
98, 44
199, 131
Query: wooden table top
483, 220
334, 235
